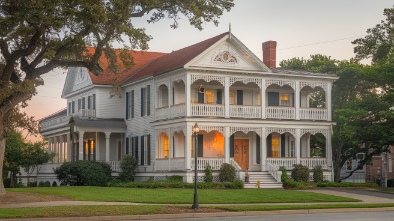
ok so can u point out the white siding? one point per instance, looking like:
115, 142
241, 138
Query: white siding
109, 107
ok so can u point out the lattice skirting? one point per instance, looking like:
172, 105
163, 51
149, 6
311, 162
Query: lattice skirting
201, 178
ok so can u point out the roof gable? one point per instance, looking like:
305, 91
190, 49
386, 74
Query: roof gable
77, 79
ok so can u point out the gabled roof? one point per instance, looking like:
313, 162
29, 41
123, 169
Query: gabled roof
174, 60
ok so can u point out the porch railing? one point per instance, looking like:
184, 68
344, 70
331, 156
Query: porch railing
115, 165
280, 112
312, 162
208, 110
58, 121
274, 171
286, 162
313, 113
245, 111
215, 163
161, 113
178, 110
87, 113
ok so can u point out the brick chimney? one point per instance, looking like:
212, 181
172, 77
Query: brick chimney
269, 54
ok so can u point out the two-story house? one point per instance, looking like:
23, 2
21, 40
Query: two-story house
250, 114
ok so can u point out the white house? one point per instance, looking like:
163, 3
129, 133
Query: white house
250, 114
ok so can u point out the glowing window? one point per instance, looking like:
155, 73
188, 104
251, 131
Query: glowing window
232, 97
285, 100
275, 145
209, 97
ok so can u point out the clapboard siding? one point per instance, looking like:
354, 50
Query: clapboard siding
109, 107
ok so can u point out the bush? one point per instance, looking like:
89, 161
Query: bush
32, 184
128, 167
175, 179
54, 184
237, 184
300, 173
318, 174
44, 184
208, 174
284, 177
226, 173
7, 182
84, 173
290, 183
346, 184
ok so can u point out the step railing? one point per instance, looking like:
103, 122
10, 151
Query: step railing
274, 171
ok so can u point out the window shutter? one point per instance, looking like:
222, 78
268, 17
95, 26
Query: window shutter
219, 96
73, 107
240, 97
83, 103
232, 145
148, 100
69, 108
282, 145
200, 140
127, 106
273, 98
79, 104
127, 146
201, 94
269, 145
258, 154
142, 102
173, 147
142, 151
132, 103
94, 101
89, 102
83, 150
148, 147
136, 148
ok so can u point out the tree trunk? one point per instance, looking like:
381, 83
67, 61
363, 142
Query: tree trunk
2, 151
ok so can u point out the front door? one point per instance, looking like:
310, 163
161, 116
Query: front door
241, 153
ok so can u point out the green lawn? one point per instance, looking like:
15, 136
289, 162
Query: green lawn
180, 196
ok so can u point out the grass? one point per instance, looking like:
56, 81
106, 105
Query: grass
181, 196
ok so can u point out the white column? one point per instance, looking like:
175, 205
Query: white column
188, 94
227, 97
107, 135
170, 99
69, 147
297, 100
263, 152
328, 101
227, 144
188, 147
298, 145
329, 149
80, 147
262, 98
96, 144
308, 146
61, 149
56, 148
171, 146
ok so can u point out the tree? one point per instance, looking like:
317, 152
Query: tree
37, 36
13, 155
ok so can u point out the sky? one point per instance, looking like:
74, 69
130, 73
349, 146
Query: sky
301, 28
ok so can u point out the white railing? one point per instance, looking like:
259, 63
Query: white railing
215, 163
286, 162
115, 165
214, 110
274, 171
161, 113
245, 111
312, 162
235, 165
280, 112
58, 121
87, 113
314, 113
170, 164
178, 110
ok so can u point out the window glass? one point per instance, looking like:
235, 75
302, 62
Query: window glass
209, 97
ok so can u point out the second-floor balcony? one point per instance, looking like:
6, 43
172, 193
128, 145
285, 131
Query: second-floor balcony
61, 119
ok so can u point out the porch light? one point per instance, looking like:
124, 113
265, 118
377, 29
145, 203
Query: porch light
195, 132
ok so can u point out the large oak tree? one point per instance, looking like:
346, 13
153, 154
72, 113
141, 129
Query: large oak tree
38, 35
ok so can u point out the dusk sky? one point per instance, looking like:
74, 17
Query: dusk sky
301, 28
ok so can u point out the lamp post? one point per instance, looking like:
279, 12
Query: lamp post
195, 132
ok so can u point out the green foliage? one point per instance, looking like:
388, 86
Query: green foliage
128, 167
237, 184
84, 173
33, 155
227, 173
300, 173
284, 177
13, 156
32, 184
175, 179
298, 184
318, 174
44, 184
7, 182
54, 184
208, 174
346, 184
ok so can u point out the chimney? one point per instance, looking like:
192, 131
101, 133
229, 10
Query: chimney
269, 54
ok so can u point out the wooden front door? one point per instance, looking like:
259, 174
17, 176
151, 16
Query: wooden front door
241, 152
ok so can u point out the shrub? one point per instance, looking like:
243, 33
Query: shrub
346, 184
54, 184
300, 173
128, 167
318, 174
237, 184
32, 184
84, 173
284, 177
290, 183
175, 179
226, 173
208, 174
44, 184
7, 182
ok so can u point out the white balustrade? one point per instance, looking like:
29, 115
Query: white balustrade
178, 110
214, 110
274, 171
87, 113
215, 163
280, 112
313, 113
54, 122
115, 165
235, 165
245, 111
286, 162
161, 113
312, 162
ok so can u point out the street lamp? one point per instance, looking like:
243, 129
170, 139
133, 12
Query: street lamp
195, 132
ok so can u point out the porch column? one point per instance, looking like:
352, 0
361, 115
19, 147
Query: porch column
171, 146
329, 150
298, 145
61, 148
69, 147
227, 97
55, 149
227, 144
96, 144
188, 94
263, 152
262, 98
170, 99
107, 135
80, 146
297, 100
188, 155
328, 101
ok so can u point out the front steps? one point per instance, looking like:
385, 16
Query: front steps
266, 181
